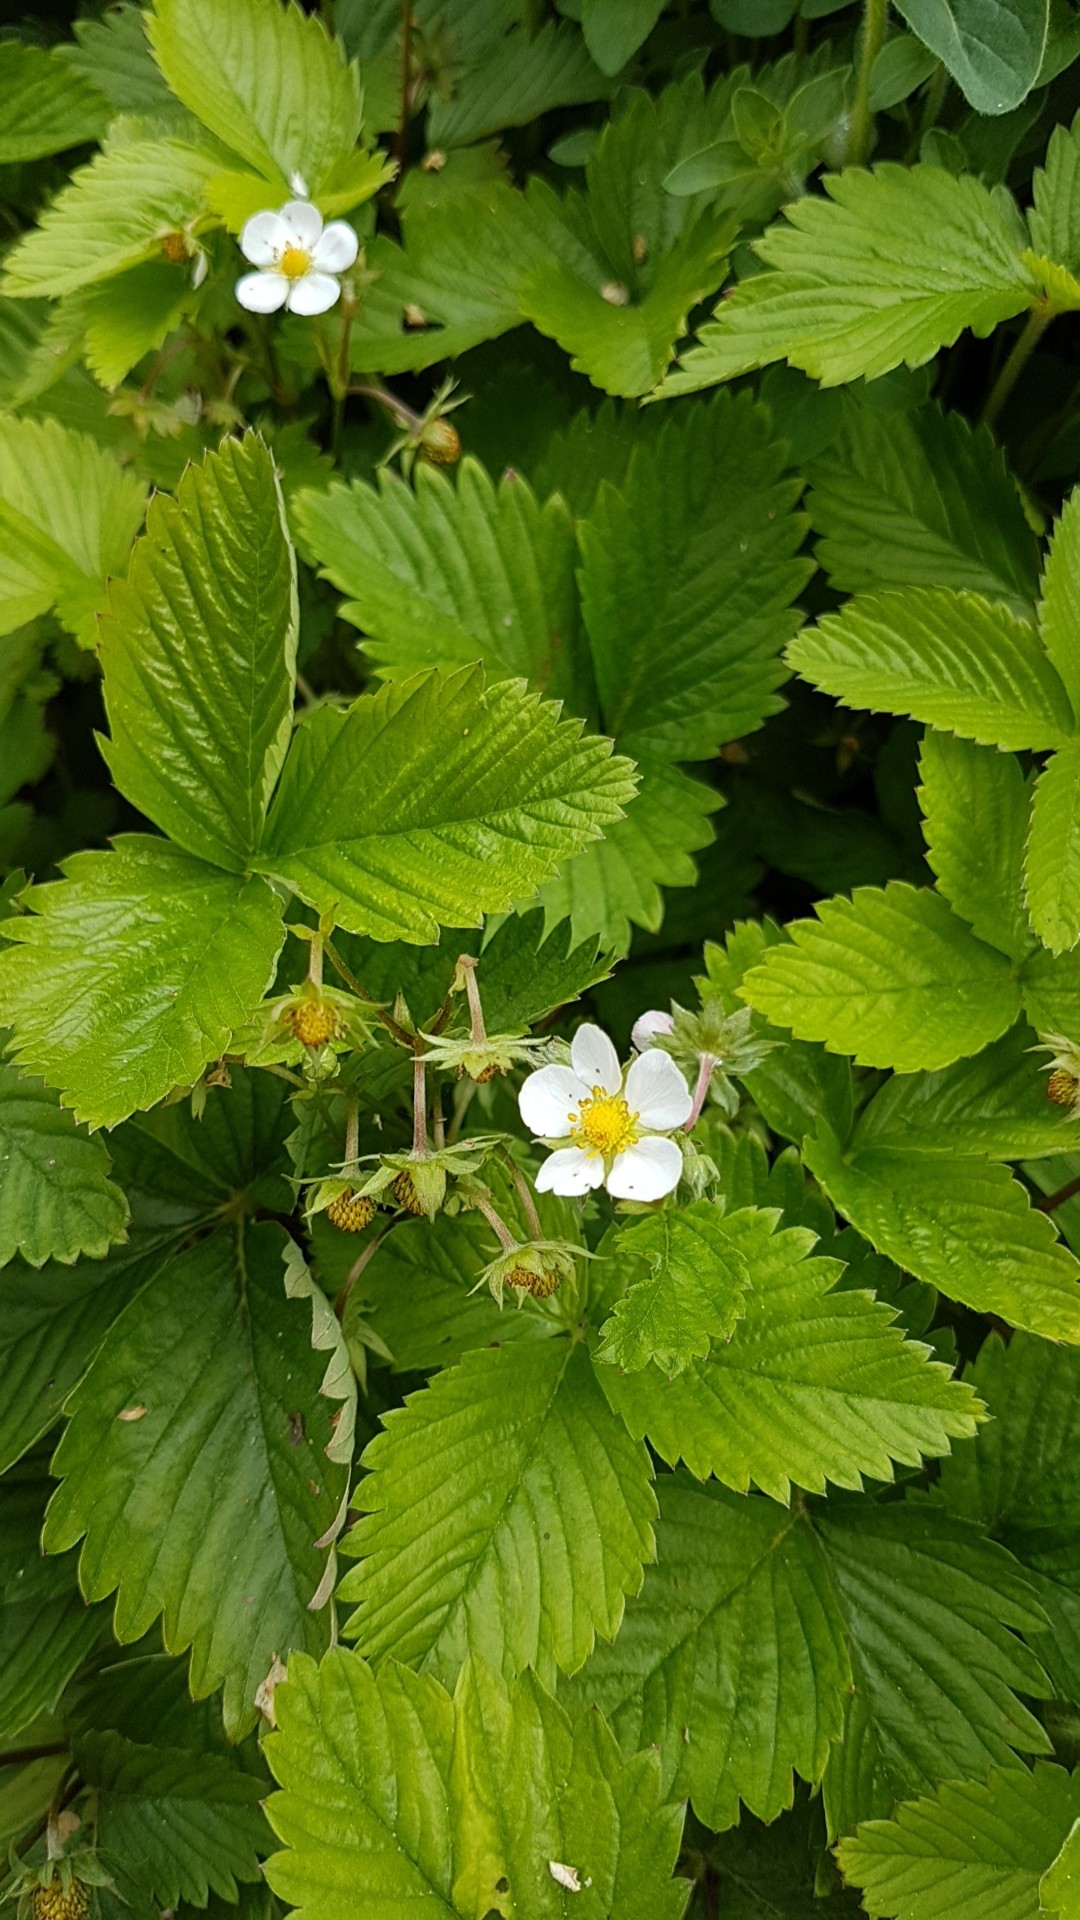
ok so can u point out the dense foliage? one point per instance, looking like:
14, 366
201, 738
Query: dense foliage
524, 521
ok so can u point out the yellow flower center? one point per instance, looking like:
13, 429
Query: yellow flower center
294, 263
604, 1123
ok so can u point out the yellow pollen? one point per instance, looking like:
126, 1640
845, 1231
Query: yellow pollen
294, 263
604, 1123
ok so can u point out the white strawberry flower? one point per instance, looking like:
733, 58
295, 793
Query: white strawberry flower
615, 1122
298, 260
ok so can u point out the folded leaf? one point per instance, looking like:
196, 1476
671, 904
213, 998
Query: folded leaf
958, 661
981, 874
1055, 216
56, 1200
689, 1294
199, 653
890, 976
129, 975
508, 1512
615, 29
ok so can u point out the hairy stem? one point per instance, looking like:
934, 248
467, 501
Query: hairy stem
1022, 349
871, 39
419, 1134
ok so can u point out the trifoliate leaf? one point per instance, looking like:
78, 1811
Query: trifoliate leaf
508, 1511
114, 214
1055, 217
972, 1850
524, 74
688, 574
960, 1223
920, 500
183, 1824
44, 108
813, 1384
994, 1104
198, 1464
434, 801
981, 874
199, 652
1052, 870
892, 266
756, 1625
46, 1627
958, 661
992, 48
267, 79
891, 976
393, 1793
68, 515
132, 973
687, 1281
56, 1200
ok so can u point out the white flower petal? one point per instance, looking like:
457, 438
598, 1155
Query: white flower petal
314, 293
648, 1025
336, 248
302, 223
595, 1060
262, 239
572, 1172
548, 1098
657, 1092
644, 1172
262, 292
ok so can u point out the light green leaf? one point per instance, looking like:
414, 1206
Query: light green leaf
962, 1224
199, 652
44, 108
973, 1850
46, 1628
111, 216
688, 574
615, 29
980, 874
184, 1824
206, 1503
757, 1625
920, 499
1052, 871
132, 973
522, 75
890, 976
267, 79
1055, 217
958, 661
814, 1384
994, 1104
891, 267
435, 801
68, 515
508, 1512
690, 1294
1060, 609
56, 1200
449, 574
992, 48
131, 314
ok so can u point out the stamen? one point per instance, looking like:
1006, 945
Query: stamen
604, 1124
294, 263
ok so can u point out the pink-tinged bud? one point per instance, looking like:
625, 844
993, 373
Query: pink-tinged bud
649, 1026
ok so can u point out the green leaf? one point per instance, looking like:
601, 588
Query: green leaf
267, 79
1055, 217
813, 1384
958, 661
184, 1824
199, 653
68, 515
111, 216
992, 48
523, 74
113, 54
43, 107
1053, 852
449, 574
46, 1628
434, 801
615, 29
206, 1503
690, 1294
395, 1796
688, 574
920, 499
756, 1625
508, 1512
56, 1200
971, 1850
888, 269
131, 314
994, 1104
129, 975
963, 1225
1060, 608
981, 874
890, 976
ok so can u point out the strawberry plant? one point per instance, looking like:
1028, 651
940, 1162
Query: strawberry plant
540, 959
